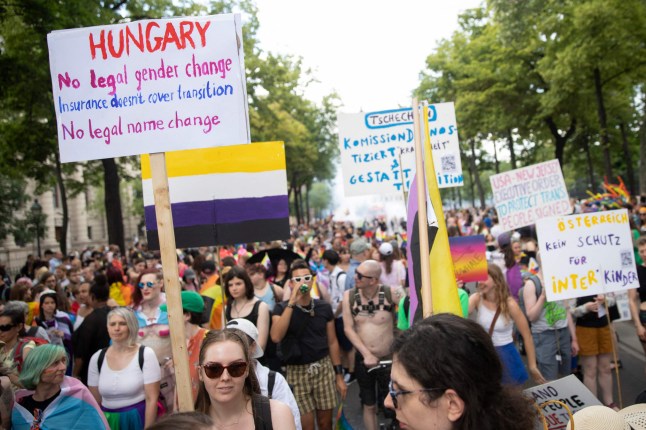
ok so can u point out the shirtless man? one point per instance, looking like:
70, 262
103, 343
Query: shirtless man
369, 324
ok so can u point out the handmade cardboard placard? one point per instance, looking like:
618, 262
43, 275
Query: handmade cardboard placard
149, 86
378, 153
523, 196
587, 254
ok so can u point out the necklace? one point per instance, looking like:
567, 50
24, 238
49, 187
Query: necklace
309, 309
236, 421
235, 307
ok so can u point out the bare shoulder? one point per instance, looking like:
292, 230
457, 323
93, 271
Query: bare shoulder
281, 415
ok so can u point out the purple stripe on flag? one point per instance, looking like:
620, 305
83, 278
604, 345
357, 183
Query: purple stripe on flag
222, 211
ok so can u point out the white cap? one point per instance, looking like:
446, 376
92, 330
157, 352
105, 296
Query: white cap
250, 330
386, 249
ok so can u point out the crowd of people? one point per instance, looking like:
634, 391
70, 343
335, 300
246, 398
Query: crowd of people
275, 341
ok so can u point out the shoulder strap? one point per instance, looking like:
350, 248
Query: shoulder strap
354, 297
99, 361
493, 322
33, 330
261, 413
270, 383
337, 277
273, 291
141, 356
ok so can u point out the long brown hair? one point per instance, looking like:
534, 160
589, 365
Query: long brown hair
251, 385
501, 289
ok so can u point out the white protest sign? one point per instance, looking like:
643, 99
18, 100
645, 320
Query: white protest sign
525, 195
568, 390
374, 144
586, 254
149, 86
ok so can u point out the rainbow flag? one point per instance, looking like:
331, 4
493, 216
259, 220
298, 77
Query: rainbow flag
222, 195
469, 257
341, 421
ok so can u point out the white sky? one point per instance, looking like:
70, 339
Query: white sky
370, 52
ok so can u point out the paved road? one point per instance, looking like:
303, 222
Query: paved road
632, 376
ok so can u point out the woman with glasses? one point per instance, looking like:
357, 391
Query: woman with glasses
229, 392
124, 378
154, 330
446, 375
52, 400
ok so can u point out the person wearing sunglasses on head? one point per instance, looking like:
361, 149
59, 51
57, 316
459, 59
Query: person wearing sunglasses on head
154, 330
304, 327
229, 392
124, 378
446, 375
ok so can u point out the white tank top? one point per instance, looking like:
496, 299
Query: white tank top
502, 331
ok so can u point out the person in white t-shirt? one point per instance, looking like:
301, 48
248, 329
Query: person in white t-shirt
125, 384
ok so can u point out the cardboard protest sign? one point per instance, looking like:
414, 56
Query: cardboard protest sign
568, 390
223, 195
149, 86
525, 195
377, 150
469, 257
586, 254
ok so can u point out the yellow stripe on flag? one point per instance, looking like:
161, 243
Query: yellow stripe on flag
443, 282
251, 157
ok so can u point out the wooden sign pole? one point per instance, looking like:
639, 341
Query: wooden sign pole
422, 219
171, 280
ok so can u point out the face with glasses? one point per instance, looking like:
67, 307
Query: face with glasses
223, 371
150, 287
8, 330
413, 406
301, 277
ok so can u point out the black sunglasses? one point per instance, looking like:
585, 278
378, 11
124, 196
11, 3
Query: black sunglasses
394, 394
360, 276
7, 327
215, 370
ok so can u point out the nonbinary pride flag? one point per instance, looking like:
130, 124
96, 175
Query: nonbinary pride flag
222, 195
443, 283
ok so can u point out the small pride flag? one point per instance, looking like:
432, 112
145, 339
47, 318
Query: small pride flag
222, 195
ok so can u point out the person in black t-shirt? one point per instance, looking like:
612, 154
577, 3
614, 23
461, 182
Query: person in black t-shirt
638, 297
304, 327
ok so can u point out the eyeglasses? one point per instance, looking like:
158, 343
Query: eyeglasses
215, 370
146, 284
394, 394
305, 278
7, 327
360, 276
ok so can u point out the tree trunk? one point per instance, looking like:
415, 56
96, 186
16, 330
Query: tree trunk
603, 124
629, 160
114, 217
560, 141
460, 197
471, 185
61, 186
476, 176
642, 154
495, 157
307, 203
512, 152
588, 158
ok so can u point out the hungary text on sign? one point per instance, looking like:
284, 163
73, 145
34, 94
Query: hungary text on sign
586, 254
525, 195
374, 144
149, 86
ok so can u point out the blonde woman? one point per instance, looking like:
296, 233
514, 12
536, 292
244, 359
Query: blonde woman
497, 312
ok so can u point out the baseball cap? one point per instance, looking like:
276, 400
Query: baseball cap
386, 249
191, 302
250, 330
504, 239
358, 246
189, 274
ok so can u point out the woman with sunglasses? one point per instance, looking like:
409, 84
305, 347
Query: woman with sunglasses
229, 392
124, 378
154, 330
446, 375
52, 400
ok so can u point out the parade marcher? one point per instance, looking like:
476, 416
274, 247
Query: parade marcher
229, 392
637, 296
369, 321
272, 383
359, 252
124, 378
57, 324
455, 387
52, 400
304, 326
497, 313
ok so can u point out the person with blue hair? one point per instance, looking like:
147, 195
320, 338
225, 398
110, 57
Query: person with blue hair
50, 399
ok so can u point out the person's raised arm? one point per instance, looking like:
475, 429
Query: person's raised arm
280, 323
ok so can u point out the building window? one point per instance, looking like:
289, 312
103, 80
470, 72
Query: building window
89, 232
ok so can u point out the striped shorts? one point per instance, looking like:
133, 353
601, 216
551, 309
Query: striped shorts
313, 385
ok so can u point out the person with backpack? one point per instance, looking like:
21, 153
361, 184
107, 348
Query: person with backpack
16, 345
551, 324
124, 378
370, 322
